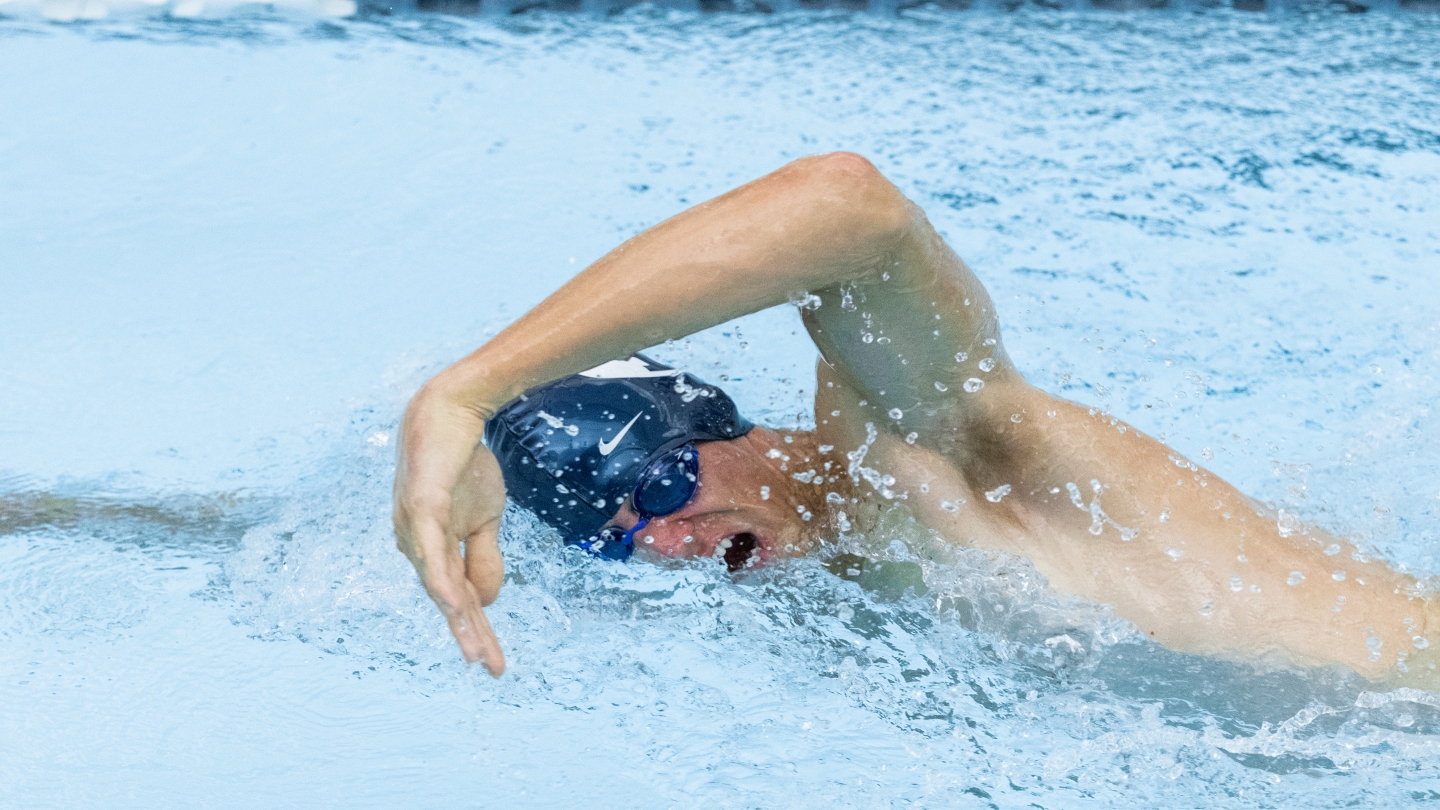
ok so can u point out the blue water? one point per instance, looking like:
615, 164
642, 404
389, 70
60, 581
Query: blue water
232, 247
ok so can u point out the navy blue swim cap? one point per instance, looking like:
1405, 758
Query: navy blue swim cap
574, 449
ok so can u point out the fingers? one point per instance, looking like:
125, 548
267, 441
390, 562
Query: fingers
473, 633
442, 571
484, 564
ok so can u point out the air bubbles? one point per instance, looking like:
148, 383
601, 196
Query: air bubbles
973, 385
1332, 550
1016, 418
897, 414
1207, 454
1295, 578
649, 539
961, 357
988, 364
989, 341
764, 493
834, 498
1236, 584
942, 387
950, 506
689, 538
1338, 576
911, 437
1174, 553
1420, 642
1164, 515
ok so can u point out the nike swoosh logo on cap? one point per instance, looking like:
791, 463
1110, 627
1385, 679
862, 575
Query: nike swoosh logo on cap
606, 448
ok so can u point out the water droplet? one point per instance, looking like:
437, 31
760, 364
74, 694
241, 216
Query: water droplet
924, 487
1295, 578
1333, 549
988, 364
973, 384
896, 413
1420, 642
939, 386
1206, 453
1236, 585
961, 357
649, 539
764, 493
1175, 553
866, 337
950, 507
689, 538
834, 498
911, 437
1338, 576
1288, 524
994, 495
1015, 417
989, 341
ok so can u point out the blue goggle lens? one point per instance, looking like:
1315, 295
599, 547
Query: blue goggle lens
667, 484
665, 487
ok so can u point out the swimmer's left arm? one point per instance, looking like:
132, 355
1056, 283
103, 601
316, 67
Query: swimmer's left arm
816, 225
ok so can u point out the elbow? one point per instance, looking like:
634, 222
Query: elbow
856, 196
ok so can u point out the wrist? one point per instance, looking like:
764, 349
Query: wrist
468, 386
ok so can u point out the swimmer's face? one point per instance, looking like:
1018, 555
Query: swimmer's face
740, 508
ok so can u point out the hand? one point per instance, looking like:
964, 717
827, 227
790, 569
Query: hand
449, 490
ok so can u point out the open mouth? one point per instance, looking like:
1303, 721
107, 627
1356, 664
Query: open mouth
739, 551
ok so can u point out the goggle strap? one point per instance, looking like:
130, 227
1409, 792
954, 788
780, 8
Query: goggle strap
628, 538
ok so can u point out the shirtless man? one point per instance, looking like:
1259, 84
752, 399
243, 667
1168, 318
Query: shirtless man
917, 407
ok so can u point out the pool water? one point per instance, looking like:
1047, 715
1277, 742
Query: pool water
231, 248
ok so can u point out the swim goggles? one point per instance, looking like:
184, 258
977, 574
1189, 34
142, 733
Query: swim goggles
666, 485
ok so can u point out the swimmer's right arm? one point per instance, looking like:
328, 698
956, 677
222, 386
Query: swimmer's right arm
830, 225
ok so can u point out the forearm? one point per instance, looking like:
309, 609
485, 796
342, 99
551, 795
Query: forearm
814, 224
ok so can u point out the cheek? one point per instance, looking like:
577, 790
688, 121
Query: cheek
669, 539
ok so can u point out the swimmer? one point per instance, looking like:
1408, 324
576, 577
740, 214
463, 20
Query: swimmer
917, 407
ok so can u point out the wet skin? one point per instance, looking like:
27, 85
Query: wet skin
917, 403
